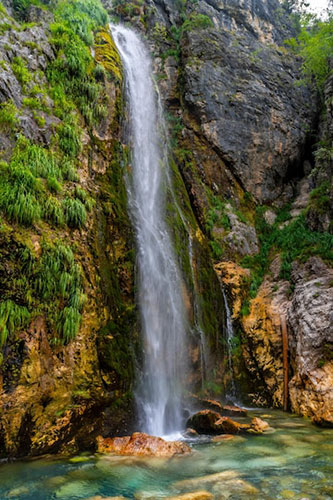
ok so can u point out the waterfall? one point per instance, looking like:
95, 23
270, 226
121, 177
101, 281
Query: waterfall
229, 330
160, 386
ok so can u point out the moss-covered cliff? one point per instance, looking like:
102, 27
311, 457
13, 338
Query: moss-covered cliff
67, 314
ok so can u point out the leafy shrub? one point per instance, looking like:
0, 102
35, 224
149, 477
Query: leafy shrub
34, 103
19, 191
53, 185
53, 211
83, 17
69, 140
315, 45
12, 317
197, 22
320, 197
69, 171
82, 195
75, 213
58, 280
295, 241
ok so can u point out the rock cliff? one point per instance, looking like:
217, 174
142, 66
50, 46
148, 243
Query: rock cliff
255, 213
244, 125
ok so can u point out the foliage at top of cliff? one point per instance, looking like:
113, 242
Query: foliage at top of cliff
314, 43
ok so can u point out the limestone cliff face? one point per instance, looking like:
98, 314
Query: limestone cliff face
238, 88
242, 123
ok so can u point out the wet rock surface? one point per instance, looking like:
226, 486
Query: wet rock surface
140, 444
211, 422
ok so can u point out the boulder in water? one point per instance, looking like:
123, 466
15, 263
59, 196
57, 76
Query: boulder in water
229, 426
140, 444
258, 426
204, 421
212, 404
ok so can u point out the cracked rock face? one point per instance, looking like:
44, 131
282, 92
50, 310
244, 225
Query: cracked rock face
240, 83
33, 48
310, 317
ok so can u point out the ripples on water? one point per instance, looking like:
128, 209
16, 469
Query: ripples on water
293, 461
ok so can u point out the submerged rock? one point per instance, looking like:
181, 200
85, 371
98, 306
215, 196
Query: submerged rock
222, 437
233, 487
141, 444
206, 481
98, 497
196, 495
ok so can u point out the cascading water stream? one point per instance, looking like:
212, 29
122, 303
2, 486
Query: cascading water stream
229, 330
160, 388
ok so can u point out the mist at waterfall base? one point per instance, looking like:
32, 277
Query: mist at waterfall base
159, 390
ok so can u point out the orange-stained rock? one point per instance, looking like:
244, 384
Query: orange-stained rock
204, 421
212, 404
195, 495
229, 426
258, 425
234, 277
140, 444
234, 410
190, 432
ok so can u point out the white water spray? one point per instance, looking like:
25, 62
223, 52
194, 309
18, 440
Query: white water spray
160, 388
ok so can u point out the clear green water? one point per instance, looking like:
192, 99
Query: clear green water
292, 461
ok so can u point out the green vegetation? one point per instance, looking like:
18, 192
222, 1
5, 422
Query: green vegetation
294, 241
107, 54
8, 116
33, 172
320, 198
75, 213
58, 283
2, 8
35, 104
21, 71
69, 140
197, 22
13, 317
37, 184
19, 193
82, 17
127, 9
314, 44
74, 81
